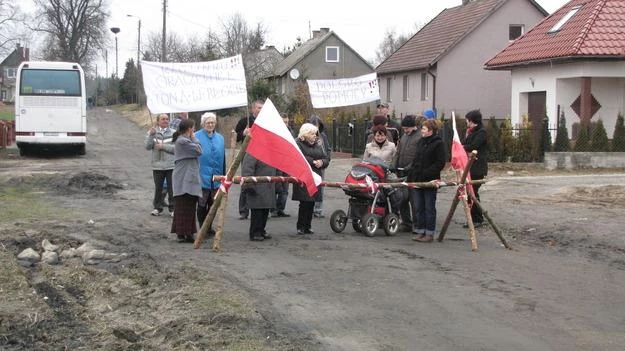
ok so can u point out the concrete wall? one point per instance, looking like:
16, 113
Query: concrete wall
571, 160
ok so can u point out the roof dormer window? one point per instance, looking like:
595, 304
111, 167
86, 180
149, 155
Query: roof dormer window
564, 19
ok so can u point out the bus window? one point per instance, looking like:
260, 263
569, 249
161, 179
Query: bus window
50, 82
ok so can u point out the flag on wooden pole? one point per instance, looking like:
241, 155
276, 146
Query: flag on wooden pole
273, 144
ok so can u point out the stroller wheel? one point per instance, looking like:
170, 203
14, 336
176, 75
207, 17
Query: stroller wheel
369, 224
338, 221
356, 225
391, 224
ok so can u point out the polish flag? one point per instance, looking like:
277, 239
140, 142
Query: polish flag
273, 144
459, 158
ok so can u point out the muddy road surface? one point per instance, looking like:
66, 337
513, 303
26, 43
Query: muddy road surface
560, 288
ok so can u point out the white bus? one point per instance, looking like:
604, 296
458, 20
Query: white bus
50, 106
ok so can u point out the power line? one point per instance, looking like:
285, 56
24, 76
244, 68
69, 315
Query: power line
190, 21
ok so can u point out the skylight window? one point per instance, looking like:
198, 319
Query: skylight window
564, 19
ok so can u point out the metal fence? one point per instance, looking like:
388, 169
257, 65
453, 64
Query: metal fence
515, 144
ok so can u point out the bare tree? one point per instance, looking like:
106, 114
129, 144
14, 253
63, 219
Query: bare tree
75, 29
179, 49
11, 19
235, 36
389, 45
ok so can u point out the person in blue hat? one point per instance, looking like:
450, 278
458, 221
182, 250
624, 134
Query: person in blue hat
429, 113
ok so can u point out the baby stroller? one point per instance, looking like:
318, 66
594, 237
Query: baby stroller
368, 209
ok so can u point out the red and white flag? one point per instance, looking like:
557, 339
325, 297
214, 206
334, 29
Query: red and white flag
273, 144
459, 158
371, 185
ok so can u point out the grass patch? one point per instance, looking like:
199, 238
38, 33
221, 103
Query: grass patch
7, 112
138, 115
17, 203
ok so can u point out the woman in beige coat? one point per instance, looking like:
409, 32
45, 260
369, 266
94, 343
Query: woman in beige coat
380, 147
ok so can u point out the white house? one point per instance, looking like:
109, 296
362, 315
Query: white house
573, 61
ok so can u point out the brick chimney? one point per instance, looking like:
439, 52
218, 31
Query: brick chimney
324, 30
23, 52
316, 34
464, 2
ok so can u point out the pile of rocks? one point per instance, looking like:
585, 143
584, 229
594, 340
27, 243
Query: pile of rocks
50, 255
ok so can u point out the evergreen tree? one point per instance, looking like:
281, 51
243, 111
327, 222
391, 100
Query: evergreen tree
494, 141
507, 140
523, 147
562, 143
618, 139
545, 140
599, 140
583, 140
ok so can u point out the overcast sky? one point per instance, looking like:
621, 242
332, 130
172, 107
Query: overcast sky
359, 24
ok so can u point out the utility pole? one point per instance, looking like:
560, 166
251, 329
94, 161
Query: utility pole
164, 39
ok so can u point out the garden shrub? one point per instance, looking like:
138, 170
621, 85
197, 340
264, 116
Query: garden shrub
507, 140
618, 138
494, 141
523, 150
562, 143
599, 140
583, 140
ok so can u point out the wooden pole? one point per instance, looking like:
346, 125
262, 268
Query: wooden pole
221, 194
222, 207
458, 195
285, 179
490, 221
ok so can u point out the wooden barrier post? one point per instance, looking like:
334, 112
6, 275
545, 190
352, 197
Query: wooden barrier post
219, 197
461, 195
221, 211
490, 221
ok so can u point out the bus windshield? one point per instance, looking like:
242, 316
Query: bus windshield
50, 82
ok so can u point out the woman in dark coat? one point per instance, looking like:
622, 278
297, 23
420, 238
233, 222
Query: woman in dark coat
318, 161
186, 180
427, 165
261, 197
476, 140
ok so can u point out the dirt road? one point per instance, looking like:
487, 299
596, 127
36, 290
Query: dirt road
561, 288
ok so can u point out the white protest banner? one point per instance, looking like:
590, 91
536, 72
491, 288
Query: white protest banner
344, 92
194, 86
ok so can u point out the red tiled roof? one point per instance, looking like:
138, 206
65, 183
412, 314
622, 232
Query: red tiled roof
438, 36
597, 30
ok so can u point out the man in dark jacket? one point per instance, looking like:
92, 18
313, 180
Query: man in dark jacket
404, 156
476, 140
242, 129
261, 197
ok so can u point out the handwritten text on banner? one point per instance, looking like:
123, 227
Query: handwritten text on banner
344, 92
194, 86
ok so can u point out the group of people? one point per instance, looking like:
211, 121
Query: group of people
257, 201
184, 161
420, 155
187, 159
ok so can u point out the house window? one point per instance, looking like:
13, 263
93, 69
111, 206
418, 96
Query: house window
332, 54
515, 31
564, 19
3, 95
405, 88
388, 89
424, 86
10, 72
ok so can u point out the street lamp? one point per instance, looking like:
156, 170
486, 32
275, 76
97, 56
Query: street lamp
116, 30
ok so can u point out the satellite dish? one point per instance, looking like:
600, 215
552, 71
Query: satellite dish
294, 74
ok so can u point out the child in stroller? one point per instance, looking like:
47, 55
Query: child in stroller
370, 206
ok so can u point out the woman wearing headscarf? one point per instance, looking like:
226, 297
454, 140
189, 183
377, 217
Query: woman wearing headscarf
186, 180
427, 165
318, 161
212, 162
